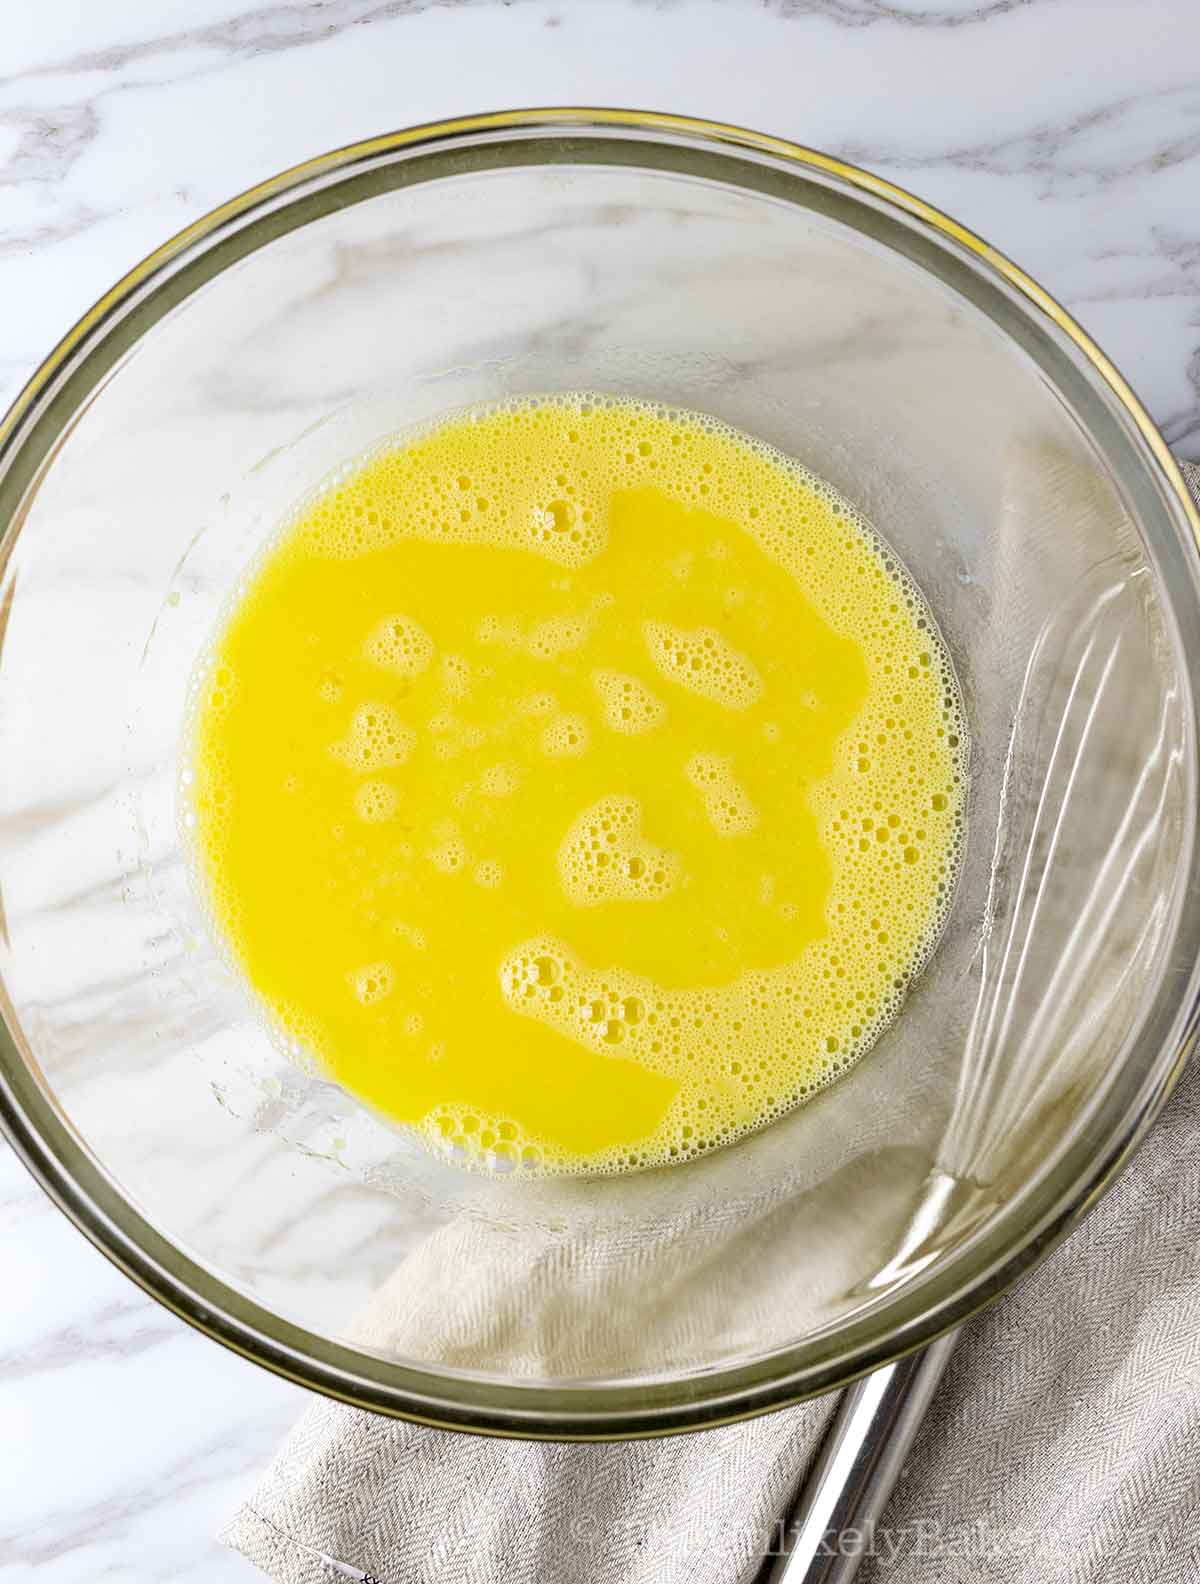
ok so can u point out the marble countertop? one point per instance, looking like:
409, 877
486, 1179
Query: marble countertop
1066, 131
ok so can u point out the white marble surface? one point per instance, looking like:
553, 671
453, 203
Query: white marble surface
1066, 131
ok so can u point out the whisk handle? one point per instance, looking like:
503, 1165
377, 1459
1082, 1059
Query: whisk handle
831, 1524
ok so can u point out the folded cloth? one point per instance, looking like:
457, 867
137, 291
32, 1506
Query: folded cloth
1061, 1446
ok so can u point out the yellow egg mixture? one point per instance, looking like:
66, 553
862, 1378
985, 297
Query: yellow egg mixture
579, 781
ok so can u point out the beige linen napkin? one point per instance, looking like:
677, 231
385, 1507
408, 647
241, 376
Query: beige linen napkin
1062, 1445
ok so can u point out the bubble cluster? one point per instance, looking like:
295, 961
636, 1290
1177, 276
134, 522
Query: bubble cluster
564, 737
628, 704
569, 530
703, 662
373, 983
681, 1034
448, 852
476, 1137
604, 1010
500, 780
540, 969
377, 739
452, 736
605, 858
375, 801
726, 801
400, 645
544, 640
455, 676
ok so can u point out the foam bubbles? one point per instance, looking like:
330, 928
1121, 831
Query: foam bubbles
500, 780
558, 635
377, 739
703, 662
489, 874
400, 645
543, 640
472, 1136
726, 801
569, 530
541, 970
628, 704
564, 737
455, 676
605, 858
372, 983
375, 801
448, 852
452, 736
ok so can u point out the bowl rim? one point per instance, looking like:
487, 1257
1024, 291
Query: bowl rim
584, 1410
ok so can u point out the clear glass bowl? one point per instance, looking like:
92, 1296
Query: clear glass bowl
812, 305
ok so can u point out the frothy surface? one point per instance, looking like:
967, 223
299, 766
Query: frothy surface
579, 782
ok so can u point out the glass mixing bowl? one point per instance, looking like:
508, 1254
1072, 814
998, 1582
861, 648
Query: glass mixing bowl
860, 331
